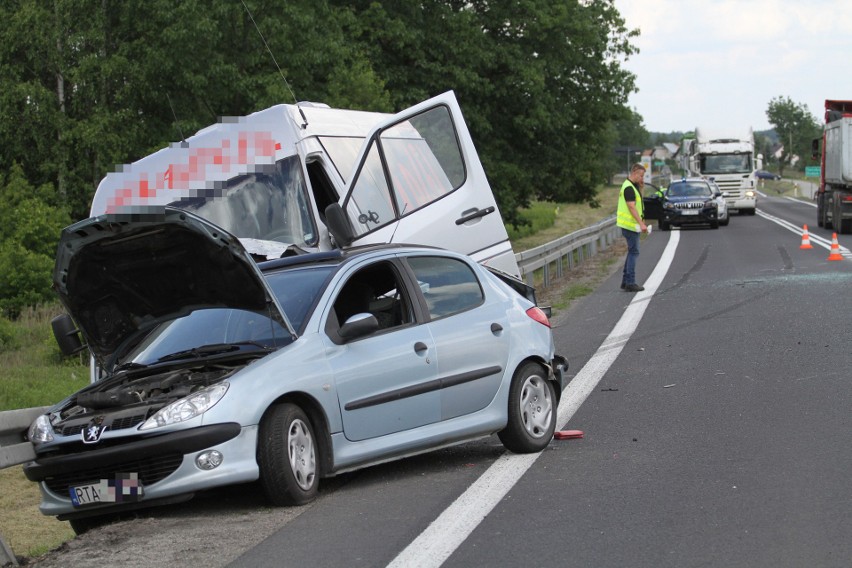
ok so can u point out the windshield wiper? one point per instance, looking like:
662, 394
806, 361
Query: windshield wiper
211, 349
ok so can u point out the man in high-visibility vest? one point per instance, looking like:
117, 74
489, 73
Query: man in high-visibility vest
629, 218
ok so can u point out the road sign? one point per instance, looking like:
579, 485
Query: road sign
812, 171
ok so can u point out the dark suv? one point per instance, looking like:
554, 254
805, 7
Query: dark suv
693, 201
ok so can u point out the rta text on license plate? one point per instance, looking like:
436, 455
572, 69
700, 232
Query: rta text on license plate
125, 488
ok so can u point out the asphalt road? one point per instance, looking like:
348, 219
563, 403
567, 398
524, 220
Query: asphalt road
718, 436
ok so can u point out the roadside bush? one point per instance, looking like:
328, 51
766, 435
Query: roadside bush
538, 216
25, 279
8, 339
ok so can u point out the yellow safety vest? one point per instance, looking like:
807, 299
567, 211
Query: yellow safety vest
624, 218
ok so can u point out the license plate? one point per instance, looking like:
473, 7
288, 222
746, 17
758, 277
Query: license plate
125, 488
689, 212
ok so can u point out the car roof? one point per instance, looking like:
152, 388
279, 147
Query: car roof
339, 256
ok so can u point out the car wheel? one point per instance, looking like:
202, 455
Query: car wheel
532, 411
84, 525
664, 226
726, 221
287, 456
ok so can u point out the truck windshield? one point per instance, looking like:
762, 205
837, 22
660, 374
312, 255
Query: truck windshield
268, 204
726, 164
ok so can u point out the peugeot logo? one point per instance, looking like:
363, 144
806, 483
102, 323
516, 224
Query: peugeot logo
93, 430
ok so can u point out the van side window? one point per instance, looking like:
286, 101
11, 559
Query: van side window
369, 204
448, 285
423, 158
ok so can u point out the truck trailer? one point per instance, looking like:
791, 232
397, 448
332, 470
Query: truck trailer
834, 197
729, 159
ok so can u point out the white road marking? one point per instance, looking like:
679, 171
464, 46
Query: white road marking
814, 239
446, 533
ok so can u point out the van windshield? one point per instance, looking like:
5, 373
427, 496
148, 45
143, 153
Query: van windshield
269, 204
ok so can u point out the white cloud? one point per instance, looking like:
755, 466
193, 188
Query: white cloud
720, 62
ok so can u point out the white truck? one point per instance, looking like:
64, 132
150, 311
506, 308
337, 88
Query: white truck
306, 177
728, 159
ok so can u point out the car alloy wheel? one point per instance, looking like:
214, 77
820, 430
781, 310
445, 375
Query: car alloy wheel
532, 411
287, 456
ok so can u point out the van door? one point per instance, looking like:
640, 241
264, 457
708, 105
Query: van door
418, 180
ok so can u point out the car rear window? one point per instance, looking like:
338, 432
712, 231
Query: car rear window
448, 285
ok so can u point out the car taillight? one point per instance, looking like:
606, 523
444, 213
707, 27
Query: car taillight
538, 315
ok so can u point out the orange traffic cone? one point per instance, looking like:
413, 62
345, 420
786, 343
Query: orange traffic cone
806, 239
835, 248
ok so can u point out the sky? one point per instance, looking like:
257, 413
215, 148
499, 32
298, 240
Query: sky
719, 63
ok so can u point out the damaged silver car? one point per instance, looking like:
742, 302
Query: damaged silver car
219, 370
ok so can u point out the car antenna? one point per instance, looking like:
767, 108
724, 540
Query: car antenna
183, 142
305, 125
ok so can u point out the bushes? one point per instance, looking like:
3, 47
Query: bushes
539, 216
29, 231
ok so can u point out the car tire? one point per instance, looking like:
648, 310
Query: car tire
664, 226
532, 411
726, 221
84, 525
287, 456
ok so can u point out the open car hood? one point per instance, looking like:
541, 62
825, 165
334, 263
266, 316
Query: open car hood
120, 275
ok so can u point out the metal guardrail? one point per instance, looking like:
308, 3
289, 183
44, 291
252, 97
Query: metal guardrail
15, 450
566, 252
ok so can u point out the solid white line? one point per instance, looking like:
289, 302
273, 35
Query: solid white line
446, 533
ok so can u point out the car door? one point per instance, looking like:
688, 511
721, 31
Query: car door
470, 333
386, 380
418, 179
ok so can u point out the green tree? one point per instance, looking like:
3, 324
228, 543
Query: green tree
29, 233
795, 126
539, 83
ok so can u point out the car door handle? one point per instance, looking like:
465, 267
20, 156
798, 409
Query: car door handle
420, 347
496, 328
472, 214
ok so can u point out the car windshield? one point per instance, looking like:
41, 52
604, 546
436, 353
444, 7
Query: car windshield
689, 189
296, 289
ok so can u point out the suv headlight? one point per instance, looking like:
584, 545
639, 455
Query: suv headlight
711, 205
668, 205
41, 431
187, 408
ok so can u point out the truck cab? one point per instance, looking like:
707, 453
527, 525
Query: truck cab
307, 177
729, 160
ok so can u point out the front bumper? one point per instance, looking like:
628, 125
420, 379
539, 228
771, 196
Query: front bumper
681, 217
165, 465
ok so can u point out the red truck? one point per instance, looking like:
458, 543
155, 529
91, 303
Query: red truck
834, 199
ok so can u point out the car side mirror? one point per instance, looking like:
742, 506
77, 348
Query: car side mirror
339, 225
67, 335
359, 325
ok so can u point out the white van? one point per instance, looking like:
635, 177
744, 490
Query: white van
315, 178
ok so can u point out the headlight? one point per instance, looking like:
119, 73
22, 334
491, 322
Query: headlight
711, 205
668, 205
187, 408
749, 193
40, 430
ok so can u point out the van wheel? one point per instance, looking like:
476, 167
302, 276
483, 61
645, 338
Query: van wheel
287, 456
532, 411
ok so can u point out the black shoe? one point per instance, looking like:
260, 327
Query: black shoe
623, 285
633, 288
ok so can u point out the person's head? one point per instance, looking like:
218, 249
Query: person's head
637, 173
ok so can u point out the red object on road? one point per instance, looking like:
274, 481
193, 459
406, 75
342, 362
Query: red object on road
567, 434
